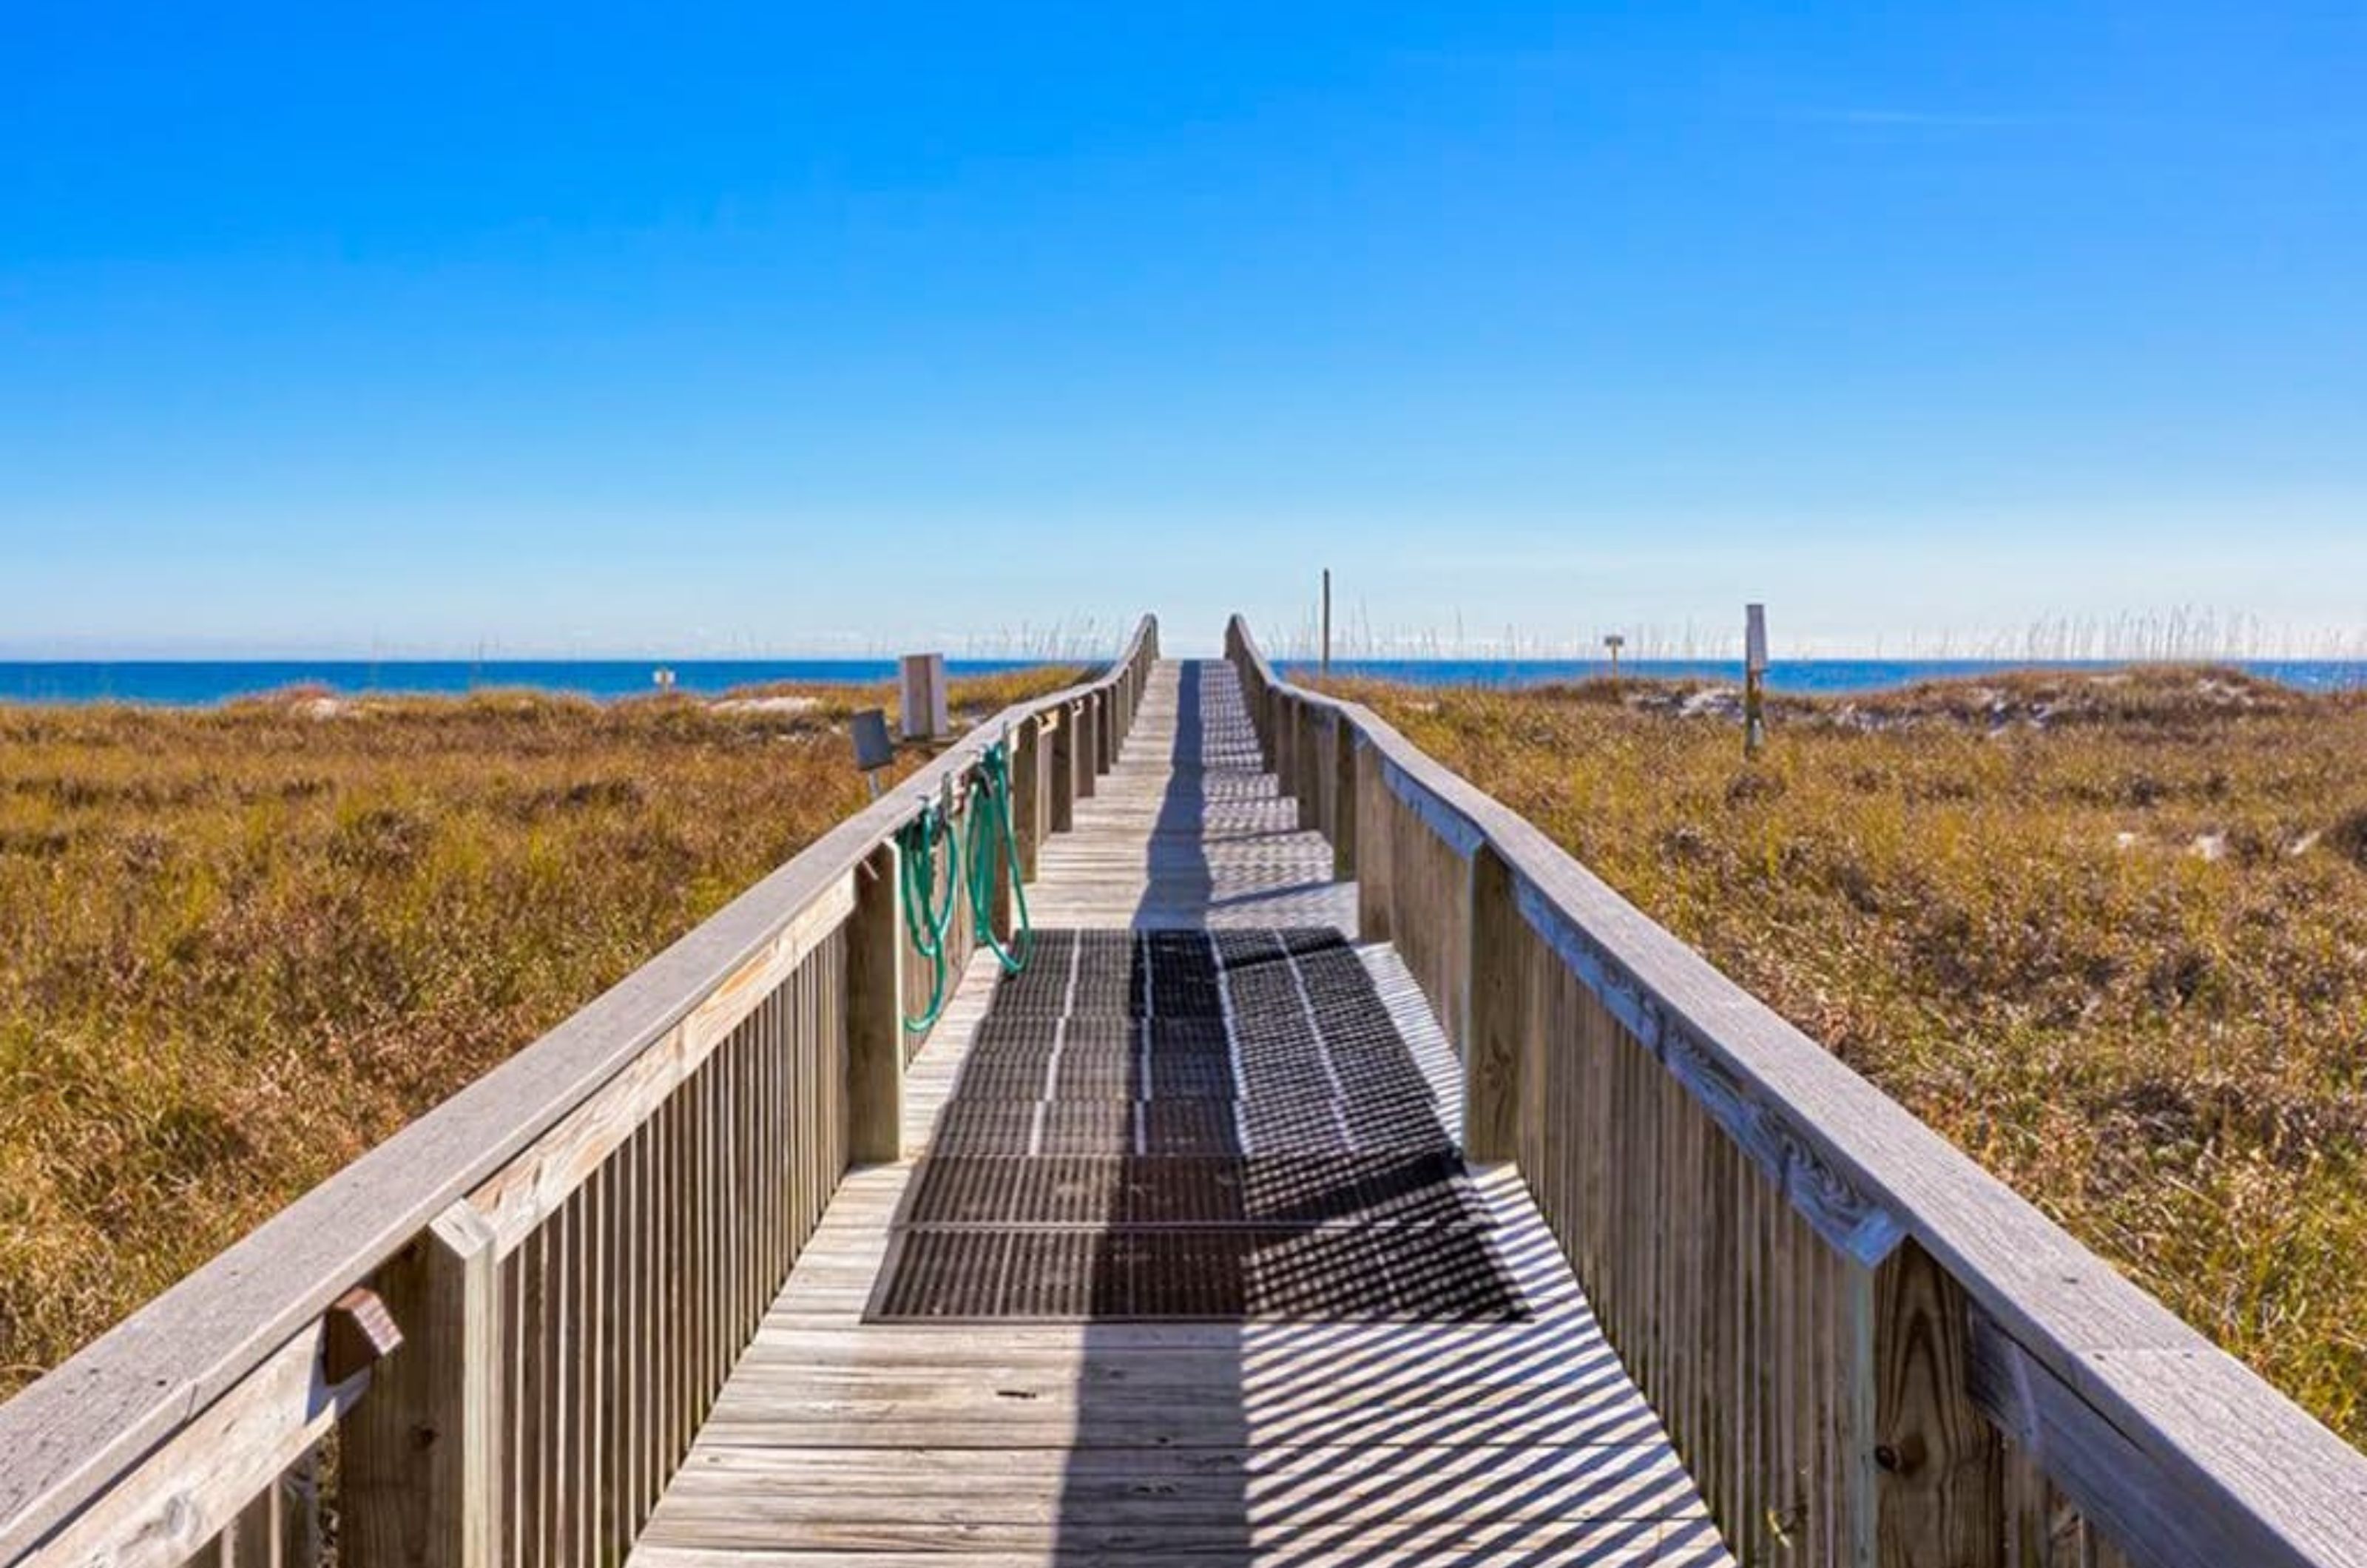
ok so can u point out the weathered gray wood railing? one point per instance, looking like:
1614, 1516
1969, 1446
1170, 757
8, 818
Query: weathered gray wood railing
1867, 1349
511, 1317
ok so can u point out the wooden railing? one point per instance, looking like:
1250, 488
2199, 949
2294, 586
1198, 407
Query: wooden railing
1867, 1349
508, 1320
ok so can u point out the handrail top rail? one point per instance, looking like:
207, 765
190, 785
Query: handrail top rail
66, 1435
2217, 1424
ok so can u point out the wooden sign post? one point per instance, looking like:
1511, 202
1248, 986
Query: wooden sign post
922, 707
1754, 678
1614, 642
1327, 623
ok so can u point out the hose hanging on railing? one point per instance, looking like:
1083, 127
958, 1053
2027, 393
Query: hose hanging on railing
928, 914
989, 819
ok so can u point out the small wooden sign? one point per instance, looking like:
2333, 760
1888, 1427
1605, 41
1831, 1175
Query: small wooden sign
873, 749
1754, 638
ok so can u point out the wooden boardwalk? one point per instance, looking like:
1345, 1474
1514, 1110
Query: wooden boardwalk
1265, 1441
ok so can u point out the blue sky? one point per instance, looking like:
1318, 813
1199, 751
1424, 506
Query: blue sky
799, 328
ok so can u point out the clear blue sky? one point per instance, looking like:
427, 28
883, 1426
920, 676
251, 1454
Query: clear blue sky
669, 329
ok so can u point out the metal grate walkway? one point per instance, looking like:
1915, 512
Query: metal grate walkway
1179, 1124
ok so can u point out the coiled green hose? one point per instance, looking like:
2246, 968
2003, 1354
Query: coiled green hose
989, 819
929, 901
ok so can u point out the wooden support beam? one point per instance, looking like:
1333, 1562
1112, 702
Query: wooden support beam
1939, 1464
1060, 814
998, 872
419, 1480
1280, 745
875, 1012
1088, 749
1308, 768
1375, 851
1346, 803
1027, 796
1495, 991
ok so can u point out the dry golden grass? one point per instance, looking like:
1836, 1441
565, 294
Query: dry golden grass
242, 946
2109, 936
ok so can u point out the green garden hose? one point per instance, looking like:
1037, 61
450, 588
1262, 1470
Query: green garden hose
930, 900
989, 819
929, 914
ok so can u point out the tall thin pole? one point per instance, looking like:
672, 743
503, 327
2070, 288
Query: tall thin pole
1754, 678
1327, 621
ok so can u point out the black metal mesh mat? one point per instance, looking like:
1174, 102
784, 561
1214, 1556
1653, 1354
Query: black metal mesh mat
1191, 1125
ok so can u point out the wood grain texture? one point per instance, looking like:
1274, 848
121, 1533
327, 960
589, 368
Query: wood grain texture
1497, 993
1941, 1489
874, 1012
204, 1483
419, 1473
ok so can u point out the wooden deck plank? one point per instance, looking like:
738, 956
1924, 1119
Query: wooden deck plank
838, 1441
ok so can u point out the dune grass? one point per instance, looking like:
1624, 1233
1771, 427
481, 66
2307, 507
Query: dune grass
2108, 934
243, 945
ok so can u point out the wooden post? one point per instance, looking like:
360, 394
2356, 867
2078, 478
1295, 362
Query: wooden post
1310, 768
1495, 996
1026, 791
1934, 1471
1279, 755
1314, 777
998, 871
1754, 678
420, 1481
875, 1012
1061, 809
1376, 853
1327, 623
1088, 747
1346, 805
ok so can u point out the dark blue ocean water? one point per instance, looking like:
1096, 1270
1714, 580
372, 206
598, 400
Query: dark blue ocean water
195, 683
198, 685
1803, 676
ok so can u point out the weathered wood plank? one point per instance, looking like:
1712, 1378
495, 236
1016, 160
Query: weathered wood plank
208, 1477
1496, 991
419, 1477
874, 1012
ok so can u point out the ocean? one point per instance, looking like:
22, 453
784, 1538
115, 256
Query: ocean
204, 683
